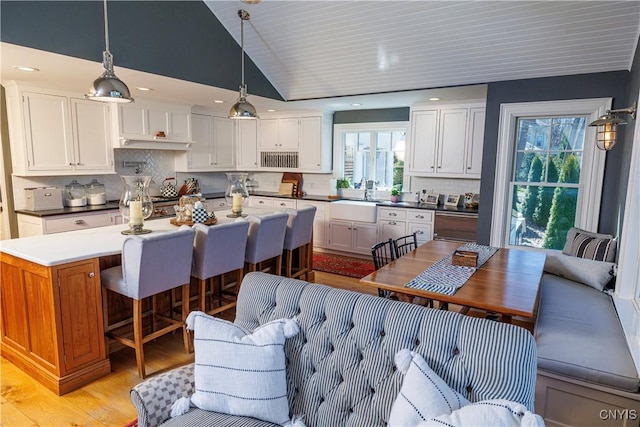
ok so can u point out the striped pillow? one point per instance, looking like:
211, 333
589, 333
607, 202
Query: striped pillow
241, 373
589, 245
423, 395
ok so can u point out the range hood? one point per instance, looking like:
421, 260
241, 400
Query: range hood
153, 143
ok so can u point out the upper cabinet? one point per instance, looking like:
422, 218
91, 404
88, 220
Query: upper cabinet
151, 125
57, 133
447, 141
300, 142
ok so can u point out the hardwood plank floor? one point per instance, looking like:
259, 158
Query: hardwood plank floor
106, 402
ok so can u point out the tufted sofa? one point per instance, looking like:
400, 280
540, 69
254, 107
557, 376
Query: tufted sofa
340, 367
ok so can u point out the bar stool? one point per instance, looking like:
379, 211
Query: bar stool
151, 265
216, 251
299, 235
265, 240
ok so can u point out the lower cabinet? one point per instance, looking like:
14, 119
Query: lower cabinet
398, 222
216, 204
319, 222
29, 225
354, 236
52, 321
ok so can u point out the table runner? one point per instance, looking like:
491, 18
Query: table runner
445, 278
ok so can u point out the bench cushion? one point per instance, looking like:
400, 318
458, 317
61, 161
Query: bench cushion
579, 335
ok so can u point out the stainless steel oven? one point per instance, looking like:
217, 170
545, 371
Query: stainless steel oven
455, 226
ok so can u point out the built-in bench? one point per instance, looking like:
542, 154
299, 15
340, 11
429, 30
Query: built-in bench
586, 375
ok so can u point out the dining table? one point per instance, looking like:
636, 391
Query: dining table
506, 285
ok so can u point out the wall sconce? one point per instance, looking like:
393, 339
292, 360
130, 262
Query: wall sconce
607, 126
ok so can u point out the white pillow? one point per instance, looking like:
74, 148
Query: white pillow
494, 413
238, 372
423, 394
589, 272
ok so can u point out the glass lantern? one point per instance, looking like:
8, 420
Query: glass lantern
236, 193
135, 202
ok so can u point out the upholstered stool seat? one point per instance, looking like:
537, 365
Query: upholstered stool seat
218, 250
151, 265
265, 240
299, 235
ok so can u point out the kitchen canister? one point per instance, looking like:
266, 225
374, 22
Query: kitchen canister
199, 213
95, 193
74, 194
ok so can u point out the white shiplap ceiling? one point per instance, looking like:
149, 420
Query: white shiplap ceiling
315, 49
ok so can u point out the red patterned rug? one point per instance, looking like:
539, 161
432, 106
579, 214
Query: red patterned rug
345, 266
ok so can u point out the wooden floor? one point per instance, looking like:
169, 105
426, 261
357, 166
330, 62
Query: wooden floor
104, 402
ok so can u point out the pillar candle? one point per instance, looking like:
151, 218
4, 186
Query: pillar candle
135, 212
236, 204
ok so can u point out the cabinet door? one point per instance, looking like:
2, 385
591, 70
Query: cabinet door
93, 149
223, 142
424, 232
48, 132
288, 134
340, 236
260, 202
452, 137
268, 134
216, 204
200, 156
319, 222
310, 143
180, 125
424, 132
132, 120
392, 229
247, 144
475, 142
157, 121
364, 237
81, 313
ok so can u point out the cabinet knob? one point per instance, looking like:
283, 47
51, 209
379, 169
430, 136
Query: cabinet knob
439, 167
419, 216
79, 221
92, 274
420, 232
71, 164
393, 214
432, 167
468, 167
283, 204
392, 223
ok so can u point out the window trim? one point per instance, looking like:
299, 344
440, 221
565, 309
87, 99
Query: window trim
592, 161
338, 155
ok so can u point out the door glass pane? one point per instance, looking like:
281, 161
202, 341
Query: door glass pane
546, 171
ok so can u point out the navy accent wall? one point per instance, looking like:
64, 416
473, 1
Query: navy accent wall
598, 85
179, 39
371, 116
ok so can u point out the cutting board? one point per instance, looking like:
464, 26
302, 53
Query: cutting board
286, 188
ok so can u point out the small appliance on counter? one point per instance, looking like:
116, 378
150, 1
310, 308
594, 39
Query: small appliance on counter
42, 198
95, 193
74, 194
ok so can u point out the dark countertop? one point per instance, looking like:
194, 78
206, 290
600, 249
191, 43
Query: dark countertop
311, 197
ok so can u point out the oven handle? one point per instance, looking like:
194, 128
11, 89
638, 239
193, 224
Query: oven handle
457, 214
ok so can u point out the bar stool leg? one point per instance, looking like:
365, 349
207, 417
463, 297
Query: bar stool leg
137, 337
185, 313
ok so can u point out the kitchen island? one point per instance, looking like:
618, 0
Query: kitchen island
52, 313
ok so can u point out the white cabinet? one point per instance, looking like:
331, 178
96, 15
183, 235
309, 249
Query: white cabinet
352, 236
213, 145
272, 202
216, 204
398, 222
57, 133
36, 226
151, 125
319, 222
279, 134
315, 144
247, 144
447, 141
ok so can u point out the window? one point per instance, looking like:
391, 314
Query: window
372, 151
549, 172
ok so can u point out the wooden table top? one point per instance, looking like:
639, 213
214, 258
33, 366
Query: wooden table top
508, 283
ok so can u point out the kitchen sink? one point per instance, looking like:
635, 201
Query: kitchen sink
353, 210
388, 203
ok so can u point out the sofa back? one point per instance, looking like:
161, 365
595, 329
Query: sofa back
341, 367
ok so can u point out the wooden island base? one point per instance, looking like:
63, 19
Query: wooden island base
51, 323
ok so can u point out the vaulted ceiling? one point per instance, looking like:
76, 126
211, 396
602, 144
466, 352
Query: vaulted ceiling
318, 54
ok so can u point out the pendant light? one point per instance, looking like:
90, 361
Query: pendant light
108, 87
243, 109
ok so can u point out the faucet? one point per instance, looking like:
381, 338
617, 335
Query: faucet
369, 193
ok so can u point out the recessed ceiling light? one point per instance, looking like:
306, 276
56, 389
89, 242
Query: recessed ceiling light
356, 104
435, 98
271, 111
144, 89
218, 101
23, 68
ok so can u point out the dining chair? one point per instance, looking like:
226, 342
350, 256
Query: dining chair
299, 235
383, 253
150, 265
265, 240
218, 250
405, 244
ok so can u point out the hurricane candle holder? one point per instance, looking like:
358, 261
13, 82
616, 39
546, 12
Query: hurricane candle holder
236, 193
135, 203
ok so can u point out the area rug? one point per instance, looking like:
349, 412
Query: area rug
345, 266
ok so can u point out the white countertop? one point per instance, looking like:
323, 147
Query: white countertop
60, 248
